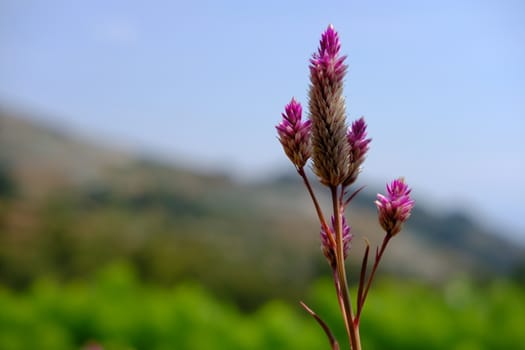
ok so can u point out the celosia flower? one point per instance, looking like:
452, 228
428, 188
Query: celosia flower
294, 134
358, 142
330, 148
394, 208
327, 246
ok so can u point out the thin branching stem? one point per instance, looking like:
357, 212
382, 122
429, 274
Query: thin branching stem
316, 205
349, 199
339, 294
379, 255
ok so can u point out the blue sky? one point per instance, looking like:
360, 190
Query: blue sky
441, 84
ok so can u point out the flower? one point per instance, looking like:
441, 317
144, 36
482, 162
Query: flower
358, 142
330, 148
394, 208
294, 134
327, 246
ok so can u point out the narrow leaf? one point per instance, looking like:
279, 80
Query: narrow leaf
329, 334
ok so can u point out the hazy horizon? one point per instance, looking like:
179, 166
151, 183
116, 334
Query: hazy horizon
441, 85
426, 201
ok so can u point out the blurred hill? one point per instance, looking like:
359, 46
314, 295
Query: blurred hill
69, 207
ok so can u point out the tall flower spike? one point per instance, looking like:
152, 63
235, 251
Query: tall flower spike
358, 147
294, 134
330, 148
394, 208
327, 247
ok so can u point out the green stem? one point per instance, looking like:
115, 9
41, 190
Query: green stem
351, 327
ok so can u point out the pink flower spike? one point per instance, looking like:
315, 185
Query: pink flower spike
359, 145
357, 140
330, 149
329, 42
394, 208
294, 134
326, 61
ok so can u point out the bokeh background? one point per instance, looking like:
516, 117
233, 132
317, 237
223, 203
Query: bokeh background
145, 202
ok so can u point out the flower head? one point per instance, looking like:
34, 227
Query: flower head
330, 148
394, 208
294, 134
327, 56
358, 142
327, 246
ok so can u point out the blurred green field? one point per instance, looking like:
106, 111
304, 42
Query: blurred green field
100, 250
115, 311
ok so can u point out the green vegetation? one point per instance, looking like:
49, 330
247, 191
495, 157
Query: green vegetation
460, 315
116, 311
69, 212
166, 237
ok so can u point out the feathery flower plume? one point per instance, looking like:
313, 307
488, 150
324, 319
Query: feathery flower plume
294, 134
330, 148
394, 208
358, 147
328, 248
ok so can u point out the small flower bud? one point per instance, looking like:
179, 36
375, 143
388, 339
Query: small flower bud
294, 134
358, 147
394, 208
328, 248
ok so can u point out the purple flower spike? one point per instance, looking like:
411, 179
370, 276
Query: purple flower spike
357, 140
330, 149
327, 58
358, 147
394, 208
294, 134
326, 245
